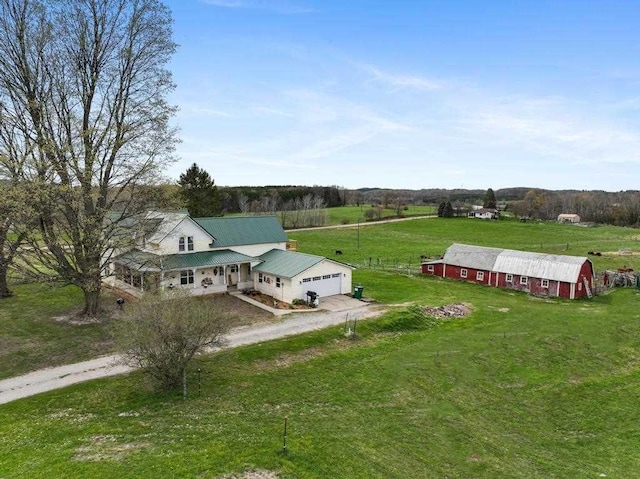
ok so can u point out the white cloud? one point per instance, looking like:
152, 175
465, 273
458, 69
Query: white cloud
398, 81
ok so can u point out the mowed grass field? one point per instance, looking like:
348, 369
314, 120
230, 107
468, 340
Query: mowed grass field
353, 214
406, 242
522, 387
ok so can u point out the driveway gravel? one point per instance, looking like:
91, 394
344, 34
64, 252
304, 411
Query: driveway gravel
55, 378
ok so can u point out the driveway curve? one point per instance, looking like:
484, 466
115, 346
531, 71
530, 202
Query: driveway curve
55, 378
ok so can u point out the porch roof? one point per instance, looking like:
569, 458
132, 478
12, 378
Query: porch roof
144, 261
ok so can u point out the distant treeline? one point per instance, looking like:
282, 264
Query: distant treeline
262, 199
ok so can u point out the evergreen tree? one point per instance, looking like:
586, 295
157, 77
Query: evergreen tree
448, 210
199, 192
490, 199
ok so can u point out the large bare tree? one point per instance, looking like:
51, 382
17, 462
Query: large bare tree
83, 91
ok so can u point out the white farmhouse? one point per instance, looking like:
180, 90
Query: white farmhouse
217, 255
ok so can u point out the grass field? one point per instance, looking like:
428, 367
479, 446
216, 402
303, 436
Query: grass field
520, 388
523, 387
353, 214
405, 242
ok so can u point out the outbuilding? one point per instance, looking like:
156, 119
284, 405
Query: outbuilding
537, 273
568, 218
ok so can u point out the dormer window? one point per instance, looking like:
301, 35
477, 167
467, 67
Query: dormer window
185, 243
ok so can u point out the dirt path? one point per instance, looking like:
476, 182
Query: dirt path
55, 378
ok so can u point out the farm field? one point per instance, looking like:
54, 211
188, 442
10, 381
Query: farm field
352, 214
520, 388
404, 243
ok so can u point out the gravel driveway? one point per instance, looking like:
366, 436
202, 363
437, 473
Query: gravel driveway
55, 378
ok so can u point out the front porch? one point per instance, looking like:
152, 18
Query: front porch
201, 273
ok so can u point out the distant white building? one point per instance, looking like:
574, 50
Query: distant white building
484, 213
568, 218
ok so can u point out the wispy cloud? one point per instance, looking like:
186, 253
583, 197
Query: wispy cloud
277, 6
401, 81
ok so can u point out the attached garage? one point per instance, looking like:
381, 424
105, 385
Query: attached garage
287, 275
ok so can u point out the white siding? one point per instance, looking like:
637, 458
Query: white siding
187, 227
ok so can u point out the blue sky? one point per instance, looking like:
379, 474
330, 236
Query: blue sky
409, 94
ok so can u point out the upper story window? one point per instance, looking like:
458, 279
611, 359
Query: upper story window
185, 243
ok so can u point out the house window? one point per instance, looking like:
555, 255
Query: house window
185, 243
480, 275
317, 278
509, 278
545, 283
186, 277
259, 277
233, 268
306, 280
326, 276
430, 268
336, 275
463, 273
277, 282
524, 280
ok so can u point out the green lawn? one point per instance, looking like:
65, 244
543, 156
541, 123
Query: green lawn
38, 328
353, 214
405, 242
521, 388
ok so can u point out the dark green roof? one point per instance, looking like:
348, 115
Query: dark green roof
243, 230
143, 261
205, 258
286, 264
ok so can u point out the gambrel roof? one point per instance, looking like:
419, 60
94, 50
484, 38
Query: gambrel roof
554, 267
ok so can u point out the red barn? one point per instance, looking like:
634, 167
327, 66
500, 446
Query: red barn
538, 273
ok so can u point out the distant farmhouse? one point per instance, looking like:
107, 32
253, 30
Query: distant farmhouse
568, 218
217, 255
537, 273
484, 213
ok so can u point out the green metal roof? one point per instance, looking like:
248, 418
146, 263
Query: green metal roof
286, 264
205, 258
143, 261
243, 230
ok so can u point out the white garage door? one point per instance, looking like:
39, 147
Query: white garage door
326, 285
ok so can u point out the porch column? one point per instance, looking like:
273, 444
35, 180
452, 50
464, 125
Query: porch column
162, 280
224, 274
239, 272
193, 286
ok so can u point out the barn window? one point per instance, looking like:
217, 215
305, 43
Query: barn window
480, 276
463, 273
545, 283
509, 278
524, 280
430, 268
